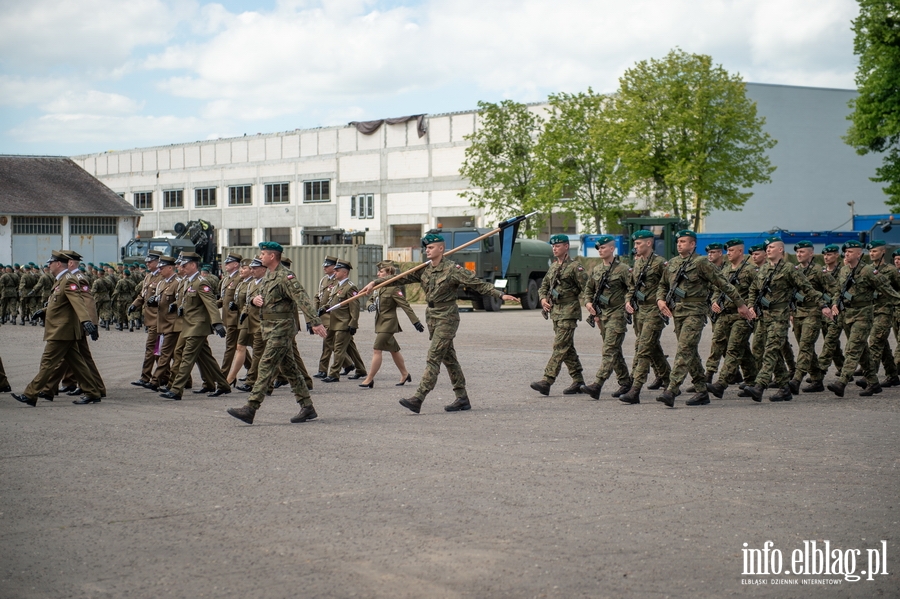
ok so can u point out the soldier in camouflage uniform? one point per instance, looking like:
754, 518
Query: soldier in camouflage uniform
896, 256
560, 289
774, 287
102, 293
640, 301
884, 309
807, 322
831, 347
689, 278
8, 291
604, 297
440, 280
280, 295
733, 330
719, 342
857, 284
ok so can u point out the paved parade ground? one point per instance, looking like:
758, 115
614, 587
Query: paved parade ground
523, 496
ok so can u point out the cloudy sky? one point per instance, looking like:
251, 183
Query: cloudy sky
80, 76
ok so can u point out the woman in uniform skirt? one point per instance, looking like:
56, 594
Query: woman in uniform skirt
384, 302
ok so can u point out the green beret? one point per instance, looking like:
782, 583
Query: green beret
757, 248
802, 244
714, 246
685, 233
127, 272
733, 242
16, 265
642, 234
772, 240
432, 238
559, 239
81, 267
271, 246
875, 244
851, 244
206, 267
603, 240
831, 247
896, 252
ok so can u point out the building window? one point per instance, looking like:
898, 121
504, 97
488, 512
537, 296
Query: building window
36, 225
280, 235
92, 225
240, 236
277, 193
205, 198
121, 195
317, 191
173, 198
240, 195
143, 200
362, 206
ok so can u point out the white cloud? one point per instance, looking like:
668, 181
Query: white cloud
20, 91
119, 131
91, 102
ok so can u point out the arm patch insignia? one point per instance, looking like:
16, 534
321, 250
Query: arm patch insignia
290, 276
205, 288
73, 287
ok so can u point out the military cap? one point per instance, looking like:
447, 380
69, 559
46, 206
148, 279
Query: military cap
432, 238
772, 240
831, 247
190, 256
127, 272
256, 263
272, 246
802, 244
603, 240
246, 262
759, 247
206, 268
153, 256
733, 242
685, 233
851, 244
642, 234
877, 243
554, 239
286, 262
386, 264
233, 258
344, 264
714, 246
81, 267
166, 261
896, 253
120, 264
16, 265
329, 261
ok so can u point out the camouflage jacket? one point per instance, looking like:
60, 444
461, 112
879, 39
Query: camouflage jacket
742, 284
823, 282
860, 295
786, 280
440, 285
655, 272
282, 295
562, 287
612, 296
885, 304
692, 292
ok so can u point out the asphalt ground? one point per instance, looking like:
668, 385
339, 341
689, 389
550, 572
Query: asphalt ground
523, 496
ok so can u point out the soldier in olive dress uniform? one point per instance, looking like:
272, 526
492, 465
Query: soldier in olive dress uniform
343, 324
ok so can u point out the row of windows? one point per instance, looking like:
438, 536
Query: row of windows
280, 235
52, 225
238, 195
362, 206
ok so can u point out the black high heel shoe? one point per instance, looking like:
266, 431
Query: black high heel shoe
369, 385
408, 379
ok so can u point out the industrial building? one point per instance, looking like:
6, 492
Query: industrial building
395, 181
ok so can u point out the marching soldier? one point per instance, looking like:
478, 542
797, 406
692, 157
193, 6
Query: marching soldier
66, 320
559, 293
26, 283
719, 342
150, 312
4, 382
227, 294
604, 297
831, 347
344, 322
280, 296
326, 285
102, 293
440, 280
164, 295
251, 317
242, 355
896, 257
686, 288
883, 315
8, 290
122, 297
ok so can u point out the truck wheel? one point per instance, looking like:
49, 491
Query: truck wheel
477, 304
491, 303
531, 300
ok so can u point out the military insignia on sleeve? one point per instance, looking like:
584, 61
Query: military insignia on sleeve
354, 293
580, 268
73, 287
190, 290
85, 288
875, 272
290, 276
458, 266
205, 288
400, 293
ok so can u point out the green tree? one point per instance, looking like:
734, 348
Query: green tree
578, 159
691, 136
876, 111
500, 162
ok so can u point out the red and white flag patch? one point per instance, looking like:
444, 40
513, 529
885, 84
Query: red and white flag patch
73, 287
205, 288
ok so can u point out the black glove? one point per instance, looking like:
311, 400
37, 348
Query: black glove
219, 329
419, 327
153, 301
39, 314
173, 308
242, 318
132, 308
180, 310
352, 330
309, 329
371, 308
90, 329
232, 306
321, 311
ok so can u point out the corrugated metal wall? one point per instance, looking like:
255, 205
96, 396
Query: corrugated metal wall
307, 261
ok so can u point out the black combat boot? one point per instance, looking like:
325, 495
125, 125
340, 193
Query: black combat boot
413, 404
659, 383
632, 396
572, 389
593, 390
667, 398
837, 388
717, 389
784, 394
891, 381
862, 383
541, 386
700, 399
460, 405
691, 389
305, 413
871, 390
755, 392
623, 389
794, 386
243, 413
814, 387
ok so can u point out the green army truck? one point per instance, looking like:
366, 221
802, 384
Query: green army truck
527, 267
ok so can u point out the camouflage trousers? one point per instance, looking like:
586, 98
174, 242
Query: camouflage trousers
880, 344
717, 346
9, 306
736, 332
121, 312
278, 354
831, 347
857, 324
806, 332
648, 328
688, 331
897, 336
774, 328
441, 331
564, 352
612, 329
104, 310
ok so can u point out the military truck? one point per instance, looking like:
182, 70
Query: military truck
527, 267
664, 227
194, 236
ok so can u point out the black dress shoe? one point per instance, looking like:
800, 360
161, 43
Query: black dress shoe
84, 400
318, 375
279, 384
700, 399
151, 387
163, 389
357, 375
24, 399
244, 388
347, 370
305, 413
220, 392
203, 390
460, 405
77, 391
68, 388
6, 389
45, 395
542, 387
243, 413
408, 379
369, 385
170, 395
139, 383
331, 379
413, 404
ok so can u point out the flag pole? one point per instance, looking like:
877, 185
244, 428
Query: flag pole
503, 225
